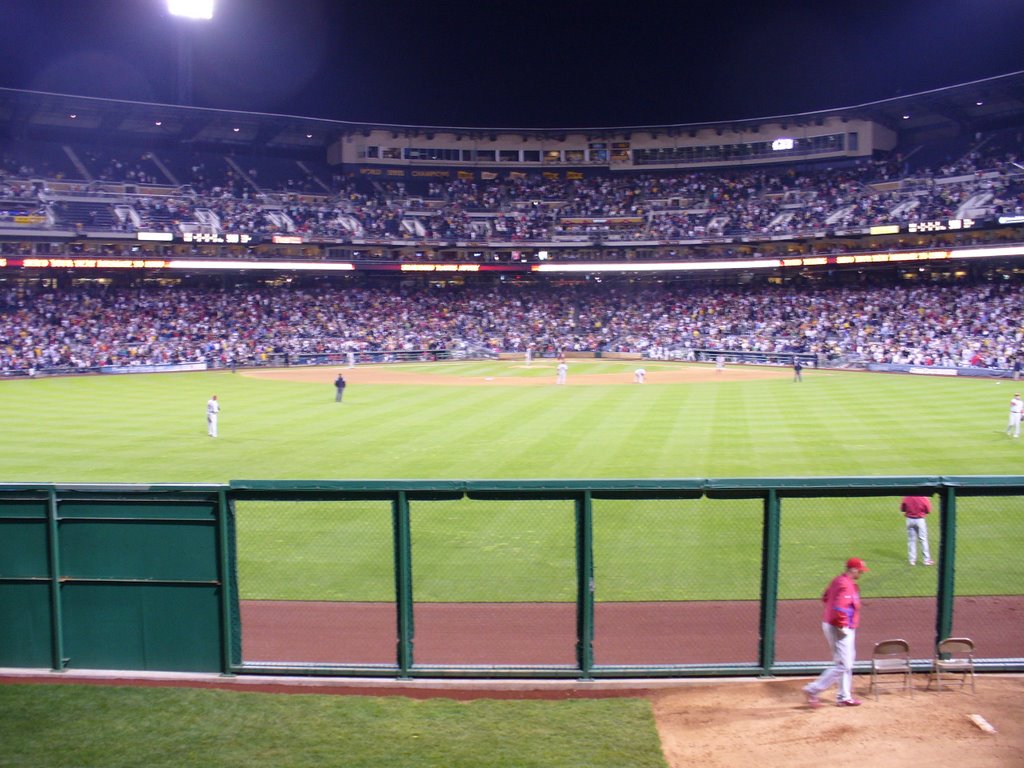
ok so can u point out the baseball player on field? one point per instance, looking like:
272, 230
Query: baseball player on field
212, 410
839, 623
1016, 409
916, 509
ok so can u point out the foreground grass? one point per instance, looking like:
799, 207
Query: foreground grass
68, 726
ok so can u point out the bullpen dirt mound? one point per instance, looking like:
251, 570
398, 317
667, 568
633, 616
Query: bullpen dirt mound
768, 724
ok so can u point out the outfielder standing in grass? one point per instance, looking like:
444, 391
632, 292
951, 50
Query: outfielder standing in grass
839, 623
916, 509
339, 388
562, 371
1016, 408
212, 410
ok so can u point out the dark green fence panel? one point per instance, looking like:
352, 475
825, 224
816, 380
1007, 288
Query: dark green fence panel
140, 577
168, 627
23, 548
142, 548
26, 630
111, 576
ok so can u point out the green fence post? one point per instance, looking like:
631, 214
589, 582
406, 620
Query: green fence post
584, 584
227, 602
769, 579
229, 530
947, 564
57, 660
403, 581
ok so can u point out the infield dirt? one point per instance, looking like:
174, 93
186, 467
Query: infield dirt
412, 376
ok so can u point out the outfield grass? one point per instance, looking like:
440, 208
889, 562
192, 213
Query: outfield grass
150, 428
107, 727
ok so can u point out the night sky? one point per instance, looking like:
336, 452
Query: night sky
524, 64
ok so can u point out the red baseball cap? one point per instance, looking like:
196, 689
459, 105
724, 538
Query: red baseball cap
856, 562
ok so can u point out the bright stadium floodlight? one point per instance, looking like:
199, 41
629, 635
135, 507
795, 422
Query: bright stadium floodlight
191, 9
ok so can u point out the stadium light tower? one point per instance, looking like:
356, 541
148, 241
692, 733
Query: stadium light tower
186, 11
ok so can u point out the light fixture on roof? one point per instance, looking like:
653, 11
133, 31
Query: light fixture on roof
309, 135
979, 103
906, 117
159, 122
236, 130
73, 116
191, 9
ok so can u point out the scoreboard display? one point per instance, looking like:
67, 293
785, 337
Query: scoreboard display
940, 225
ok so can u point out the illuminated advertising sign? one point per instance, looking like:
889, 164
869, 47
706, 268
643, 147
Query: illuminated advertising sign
885, 229
881, 258
440, 267
202, 237
230, 265
946, 225
96, 263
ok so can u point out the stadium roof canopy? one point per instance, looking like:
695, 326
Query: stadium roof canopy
980, 105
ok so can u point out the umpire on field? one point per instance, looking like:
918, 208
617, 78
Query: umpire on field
339, 388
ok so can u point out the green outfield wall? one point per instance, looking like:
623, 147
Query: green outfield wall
579, 579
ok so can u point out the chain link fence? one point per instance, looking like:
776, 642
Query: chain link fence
316, 581
987, 604
582, 580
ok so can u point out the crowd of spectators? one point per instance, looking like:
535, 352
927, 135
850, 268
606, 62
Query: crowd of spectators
944, 325
520, 207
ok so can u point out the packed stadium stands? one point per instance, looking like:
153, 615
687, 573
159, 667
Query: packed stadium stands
106, 191
75, 330
903, 256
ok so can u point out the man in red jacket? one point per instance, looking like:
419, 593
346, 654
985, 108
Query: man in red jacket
839, 623
916, 509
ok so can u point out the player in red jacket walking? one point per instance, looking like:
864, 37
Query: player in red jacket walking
839, 622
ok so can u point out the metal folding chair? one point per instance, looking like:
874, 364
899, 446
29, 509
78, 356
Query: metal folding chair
953, 656
891, 657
